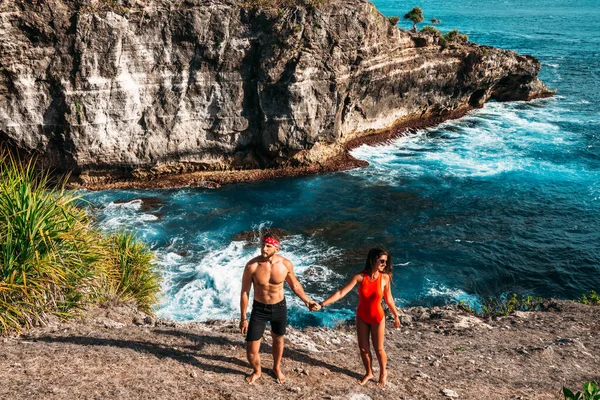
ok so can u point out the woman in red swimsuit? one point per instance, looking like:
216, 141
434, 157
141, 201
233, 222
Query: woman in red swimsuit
374, 284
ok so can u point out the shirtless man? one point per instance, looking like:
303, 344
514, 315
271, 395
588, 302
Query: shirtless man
267, 272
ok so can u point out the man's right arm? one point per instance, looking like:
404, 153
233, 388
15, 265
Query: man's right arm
244, 298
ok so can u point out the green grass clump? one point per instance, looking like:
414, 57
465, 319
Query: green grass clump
53, 261
504, 305
130, 273
590, 392
591, 298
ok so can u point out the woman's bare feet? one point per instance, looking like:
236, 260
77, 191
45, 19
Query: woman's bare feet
279, 377
252, 377
382, 379
366, 378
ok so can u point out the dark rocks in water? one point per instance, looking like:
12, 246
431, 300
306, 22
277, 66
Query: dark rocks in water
167, 88
148, 203
210, 184
158, 215
254, 236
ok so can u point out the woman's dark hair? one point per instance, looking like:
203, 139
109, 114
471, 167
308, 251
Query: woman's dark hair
372, 258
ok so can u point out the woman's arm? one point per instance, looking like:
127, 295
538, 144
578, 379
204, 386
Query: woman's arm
389, 300
343, 291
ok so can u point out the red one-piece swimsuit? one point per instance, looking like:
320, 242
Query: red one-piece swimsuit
370, 294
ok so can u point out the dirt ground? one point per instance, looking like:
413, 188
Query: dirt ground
438, 353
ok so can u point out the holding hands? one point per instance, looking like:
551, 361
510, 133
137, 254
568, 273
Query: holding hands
313, 306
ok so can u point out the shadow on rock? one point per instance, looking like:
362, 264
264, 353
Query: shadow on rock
296, 355
158, 350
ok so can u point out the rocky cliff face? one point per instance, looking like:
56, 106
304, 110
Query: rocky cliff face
148, 87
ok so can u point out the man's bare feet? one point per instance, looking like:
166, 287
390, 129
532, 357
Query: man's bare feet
252, 377
365, 379
279, 377
382, 379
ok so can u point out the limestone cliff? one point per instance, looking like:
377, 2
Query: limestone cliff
148, 87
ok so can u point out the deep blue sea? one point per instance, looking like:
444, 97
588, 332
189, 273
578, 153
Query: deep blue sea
506, 199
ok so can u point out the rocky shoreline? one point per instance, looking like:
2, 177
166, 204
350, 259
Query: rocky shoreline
215, 179
437, 353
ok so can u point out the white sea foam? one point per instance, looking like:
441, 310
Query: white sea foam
497, 139
116, 216
208, 286
437, 289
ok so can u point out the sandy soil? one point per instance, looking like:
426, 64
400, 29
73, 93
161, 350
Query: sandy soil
115, 354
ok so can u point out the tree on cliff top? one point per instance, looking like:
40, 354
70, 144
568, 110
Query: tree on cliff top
415, 15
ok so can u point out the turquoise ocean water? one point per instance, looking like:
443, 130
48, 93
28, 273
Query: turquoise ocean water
506, 199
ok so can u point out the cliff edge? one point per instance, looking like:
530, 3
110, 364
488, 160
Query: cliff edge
438, 353
140, 89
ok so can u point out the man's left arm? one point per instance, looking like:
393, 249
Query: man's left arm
297, 287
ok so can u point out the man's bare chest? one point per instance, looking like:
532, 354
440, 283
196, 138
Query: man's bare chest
269, 275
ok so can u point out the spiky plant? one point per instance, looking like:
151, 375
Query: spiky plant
47, 249
131, 274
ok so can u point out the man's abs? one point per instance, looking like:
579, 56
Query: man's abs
269, 293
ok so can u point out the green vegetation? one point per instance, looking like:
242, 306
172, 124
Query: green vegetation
394, 19
129, 273
415, 16
455, 36
590, 298
432, 30
283, 4
77, 107
53, 261
435, 21
503, 305
590, 392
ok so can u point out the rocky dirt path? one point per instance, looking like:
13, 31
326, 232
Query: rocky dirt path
438, 353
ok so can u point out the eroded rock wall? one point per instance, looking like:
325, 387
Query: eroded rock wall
157, 86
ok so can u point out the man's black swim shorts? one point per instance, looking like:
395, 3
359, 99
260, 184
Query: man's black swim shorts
276, 314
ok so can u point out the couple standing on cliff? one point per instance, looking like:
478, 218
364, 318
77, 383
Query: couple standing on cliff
267, 273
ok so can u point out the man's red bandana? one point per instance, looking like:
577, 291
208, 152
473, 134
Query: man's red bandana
270, 240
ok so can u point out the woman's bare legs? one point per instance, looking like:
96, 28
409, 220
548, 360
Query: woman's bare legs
363, 331
377, 334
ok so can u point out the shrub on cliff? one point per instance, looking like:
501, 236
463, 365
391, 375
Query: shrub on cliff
52, 260
394, 19
415, 16
432, 30
455, 36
